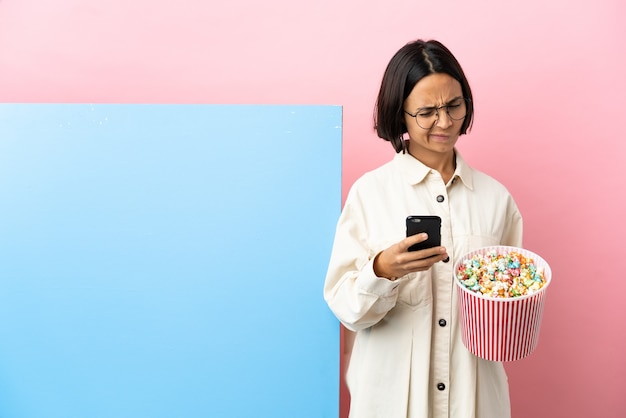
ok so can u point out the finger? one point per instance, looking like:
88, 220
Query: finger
428, 256
414, 239
426, 262
427, 253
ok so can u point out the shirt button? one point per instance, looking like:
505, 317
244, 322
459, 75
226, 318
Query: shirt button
442, 322
441, 386
445, 260
440, 198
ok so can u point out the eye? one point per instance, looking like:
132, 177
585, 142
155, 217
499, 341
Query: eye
425, 113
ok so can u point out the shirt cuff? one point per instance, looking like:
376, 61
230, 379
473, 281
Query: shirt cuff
380, 286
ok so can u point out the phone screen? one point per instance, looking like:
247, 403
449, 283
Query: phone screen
429, 224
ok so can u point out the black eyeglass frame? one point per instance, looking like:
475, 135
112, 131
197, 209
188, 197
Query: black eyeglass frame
436, 109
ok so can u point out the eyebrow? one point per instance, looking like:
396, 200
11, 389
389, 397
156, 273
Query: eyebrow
434, 107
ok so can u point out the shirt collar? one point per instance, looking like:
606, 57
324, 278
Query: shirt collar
415, 172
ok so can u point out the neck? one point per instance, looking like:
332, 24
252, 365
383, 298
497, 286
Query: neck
444, 163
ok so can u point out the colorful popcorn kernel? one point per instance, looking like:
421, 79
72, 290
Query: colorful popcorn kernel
506, 275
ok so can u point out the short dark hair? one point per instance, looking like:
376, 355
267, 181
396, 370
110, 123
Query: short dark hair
409, 65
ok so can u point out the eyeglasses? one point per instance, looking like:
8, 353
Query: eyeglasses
427, 117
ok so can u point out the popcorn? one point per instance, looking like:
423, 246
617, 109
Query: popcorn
498, 275
501, 295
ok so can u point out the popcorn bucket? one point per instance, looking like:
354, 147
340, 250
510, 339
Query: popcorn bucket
501, 329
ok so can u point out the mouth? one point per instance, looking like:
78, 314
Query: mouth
439, 137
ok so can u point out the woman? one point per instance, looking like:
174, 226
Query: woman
408, 359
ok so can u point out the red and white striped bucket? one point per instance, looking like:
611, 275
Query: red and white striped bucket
501, 329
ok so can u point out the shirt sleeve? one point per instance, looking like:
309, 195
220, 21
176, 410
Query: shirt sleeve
357, 297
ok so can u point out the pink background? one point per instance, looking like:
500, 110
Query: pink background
549, 86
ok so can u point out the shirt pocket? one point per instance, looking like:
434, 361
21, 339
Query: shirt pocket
415, 290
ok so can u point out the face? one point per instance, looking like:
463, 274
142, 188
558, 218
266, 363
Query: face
431, 92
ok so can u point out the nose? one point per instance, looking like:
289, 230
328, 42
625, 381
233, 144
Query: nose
443, 119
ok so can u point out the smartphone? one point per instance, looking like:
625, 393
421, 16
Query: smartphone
429, 224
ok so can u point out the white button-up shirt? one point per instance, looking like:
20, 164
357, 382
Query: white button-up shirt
408, 359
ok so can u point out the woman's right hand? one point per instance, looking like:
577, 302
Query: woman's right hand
397, 261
